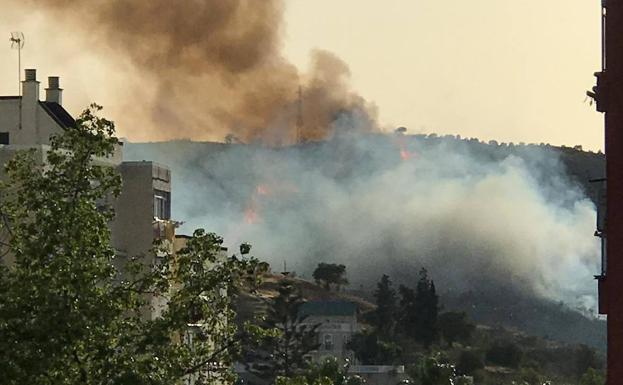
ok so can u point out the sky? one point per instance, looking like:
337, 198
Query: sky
506, 70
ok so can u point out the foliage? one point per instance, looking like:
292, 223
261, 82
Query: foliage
283, 353
454, 326
585, 359
593, 377
383, 318
68, 316
419, 311
331, 370
433, 370
370, 349
504, 353
468, 362
329, 274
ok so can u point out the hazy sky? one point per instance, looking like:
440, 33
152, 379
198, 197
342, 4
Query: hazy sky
494, 69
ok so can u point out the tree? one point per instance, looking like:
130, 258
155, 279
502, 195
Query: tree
504, 353
68, 316
283, 352
419, 310
593, 377
330, 372
454, 326
469, 362
433, 370
383, 318
370, 349
330, 273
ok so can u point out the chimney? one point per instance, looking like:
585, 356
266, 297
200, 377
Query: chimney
30, 87
53, 93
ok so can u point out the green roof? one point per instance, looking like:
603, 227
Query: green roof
328, 308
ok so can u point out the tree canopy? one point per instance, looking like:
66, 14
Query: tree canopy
283, 353
383, 318
67, 315
419, 310
329, 274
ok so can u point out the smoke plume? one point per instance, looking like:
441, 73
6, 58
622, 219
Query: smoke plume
477, 217
213, 68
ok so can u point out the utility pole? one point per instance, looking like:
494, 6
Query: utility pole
608, 95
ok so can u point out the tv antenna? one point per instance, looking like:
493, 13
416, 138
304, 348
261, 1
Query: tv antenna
17, 42
299, 116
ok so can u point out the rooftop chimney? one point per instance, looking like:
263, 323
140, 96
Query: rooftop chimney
54, 93
30, 87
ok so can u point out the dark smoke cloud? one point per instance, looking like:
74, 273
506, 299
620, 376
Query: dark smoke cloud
216, 69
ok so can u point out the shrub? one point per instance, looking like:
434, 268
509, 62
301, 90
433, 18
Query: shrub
468, 362
504, 353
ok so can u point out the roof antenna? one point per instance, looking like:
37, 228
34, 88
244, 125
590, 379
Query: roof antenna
299, 117
17, 42
285, 271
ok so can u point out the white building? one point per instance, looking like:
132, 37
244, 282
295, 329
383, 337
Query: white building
143, 210
338, 323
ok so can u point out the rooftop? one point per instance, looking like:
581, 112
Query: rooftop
55, 110
328, 308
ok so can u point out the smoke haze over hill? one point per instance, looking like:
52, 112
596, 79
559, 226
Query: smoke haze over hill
393, 204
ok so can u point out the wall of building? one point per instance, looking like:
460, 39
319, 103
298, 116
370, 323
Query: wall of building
337, 329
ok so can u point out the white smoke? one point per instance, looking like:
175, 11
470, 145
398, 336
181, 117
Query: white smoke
474, 218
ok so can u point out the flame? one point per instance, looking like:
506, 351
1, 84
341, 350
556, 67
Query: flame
262, 190
405, 154
251, 216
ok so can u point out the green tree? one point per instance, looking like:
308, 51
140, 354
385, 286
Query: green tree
593, 377
284, 352
454, 326
419, 310
433, 370
469, 362
383, 318
331, 371
370, 349
586, 358
504, 353
68, 316
327, 274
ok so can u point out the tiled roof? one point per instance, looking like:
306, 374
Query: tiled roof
328, 308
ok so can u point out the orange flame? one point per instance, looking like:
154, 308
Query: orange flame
405, 154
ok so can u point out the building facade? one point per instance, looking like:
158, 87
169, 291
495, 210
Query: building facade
143, 209
337, 322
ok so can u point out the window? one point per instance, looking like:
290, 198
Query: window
162, 204
4, 138
328, 342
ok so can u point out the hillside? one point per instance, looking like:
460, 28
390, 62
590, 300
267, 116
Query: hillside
536, 358
365, 202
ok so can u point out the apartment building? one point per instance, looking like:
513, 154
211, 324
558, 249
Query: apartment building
143, 209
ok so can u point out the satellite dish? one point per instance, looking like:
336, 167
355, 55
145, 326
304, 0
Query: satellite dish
17, 40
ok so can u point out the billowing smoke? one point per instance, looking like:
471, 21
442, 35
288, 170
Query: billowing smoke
213, 68
476, 216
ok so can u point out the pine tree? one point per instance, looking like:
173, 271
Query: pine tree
384, 317
419, 310
283, 353
426, 307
